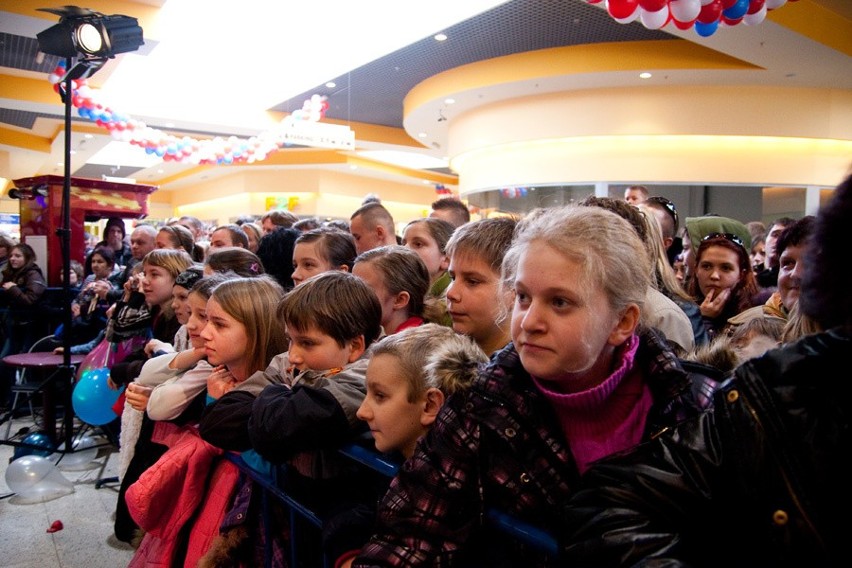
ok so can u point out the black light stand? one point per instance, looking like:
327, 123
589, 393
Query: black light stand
92, 38
66, 371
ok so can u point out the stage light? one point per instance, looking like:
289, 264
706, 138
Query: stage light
90, 34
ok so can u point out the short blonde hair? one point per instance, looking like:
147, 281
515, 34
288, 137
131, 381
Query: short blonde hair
432, 356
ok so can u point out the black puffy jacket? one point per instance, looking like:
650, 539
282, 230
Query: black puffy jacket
758, 481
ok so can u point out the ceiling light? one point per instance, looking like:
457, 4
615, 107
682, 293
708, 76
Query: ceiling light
440, 37
89, 136
423, 135
331, 84
449, 101
645, 75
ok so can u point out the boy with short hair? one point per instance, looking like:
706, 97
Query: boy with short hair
476, 299
332, 319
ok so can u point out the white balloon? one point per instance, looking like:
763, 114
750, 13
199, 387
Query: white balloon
772, 4
35, 479
85, 451
654, 20
685, 10
756, 18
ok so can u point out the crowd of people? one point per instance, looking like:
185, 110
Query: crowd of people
630, 382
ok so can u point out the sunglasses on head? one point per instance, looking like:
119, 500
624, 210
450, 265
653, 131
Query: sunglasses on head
727, 236
670, 207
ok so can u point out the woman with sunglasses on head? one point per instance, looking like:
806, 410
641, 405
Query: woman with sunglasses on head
724, 283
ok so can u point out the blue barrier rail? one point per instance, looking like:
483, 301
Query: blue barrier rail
524, 532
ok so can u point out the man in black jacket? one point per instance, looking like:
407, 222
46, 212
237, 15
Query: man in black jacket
758, 481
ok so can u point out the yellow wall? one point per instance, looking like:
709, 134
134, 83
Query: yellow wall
319, 193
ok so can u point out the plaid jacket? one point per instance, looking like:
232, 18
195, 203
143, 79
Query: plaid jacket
499, 445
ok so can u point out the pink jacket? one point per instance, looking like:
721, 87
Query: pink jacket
191, 477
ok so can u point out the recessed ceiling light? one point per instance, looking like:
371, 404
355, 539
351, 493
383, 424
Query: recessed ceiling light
645, 75
90, 136
331, 84
72, 152
423, 135
449, 101
159, 171
353, 167
440, 37
426, 181
170, 125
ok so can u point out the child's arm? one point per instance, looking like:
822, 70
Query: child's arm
170, 398
225, 422
285, 422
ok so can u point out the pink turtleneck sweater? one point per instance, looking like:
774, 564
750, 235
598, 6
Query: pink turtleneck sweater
607, 418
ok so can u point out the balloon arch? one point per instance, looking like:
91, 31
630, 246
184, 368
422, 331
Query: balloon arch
705, 16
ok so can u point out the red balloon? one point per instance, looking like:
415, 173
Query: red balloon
755, 6
621, 9
682, 25
731, 22
710, 12
728, 3
653, 5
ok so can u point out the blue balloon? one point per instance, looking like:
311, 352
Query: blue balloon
737, 11
93, 399
39, 439
706, 30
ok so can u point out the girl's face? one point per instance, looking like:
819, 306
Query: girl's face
758, 255
252, 240
418, 238
717, 269
197, 318
180, 303
679, 270
563, 327
16, 258
307, 262
157, 284
225, 338
72, 278
312, 349
100, 268
164, 240
376, 281
393, 420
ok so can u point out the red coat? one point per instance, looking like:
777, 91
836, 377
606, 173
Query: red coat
190, 483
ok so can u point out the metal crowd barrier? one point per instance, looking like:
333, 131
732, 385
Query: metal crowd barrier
524, 532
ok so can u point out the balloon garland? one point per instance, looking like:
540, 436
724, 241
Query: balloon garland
705, 16
185, 149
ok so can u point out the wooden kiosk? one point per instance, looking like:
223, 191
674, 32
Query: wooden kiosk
91, 200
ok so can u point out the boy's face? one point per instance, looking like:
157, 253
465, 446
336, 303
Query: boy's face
312, 349
475, 301
394, 421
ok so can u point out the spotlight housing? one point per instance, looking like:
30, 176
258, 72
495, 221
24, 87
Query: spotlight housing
90, 34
